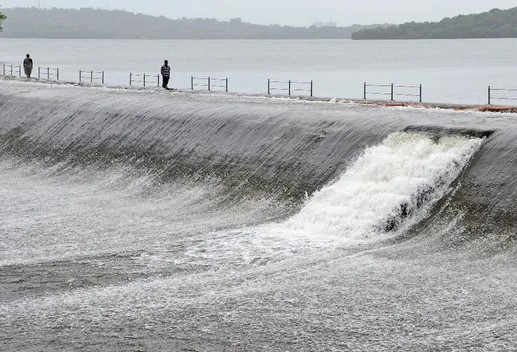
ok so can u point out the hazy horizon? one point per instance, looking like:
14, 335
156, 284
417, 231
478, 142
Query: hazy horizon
289, 12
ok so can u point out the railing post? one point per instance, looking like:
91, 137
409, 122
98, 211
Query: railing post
420, 93
489, 96
209, 83
144, 79
48, 73
312, 86
192, 82
289, 87
39, 72
57, 73
158, 79
102, 77
130, 78
3, 70
91, 76
226, 84
80, 76
11, 70
364, 90
19, 70
268, 86
392, 93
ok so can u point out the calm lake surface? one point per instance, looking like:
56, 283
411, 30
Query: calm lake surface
452, 71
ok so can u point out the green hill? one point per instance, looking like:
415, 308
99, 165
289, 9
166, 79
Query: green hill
100, 24
493, 24
2, 17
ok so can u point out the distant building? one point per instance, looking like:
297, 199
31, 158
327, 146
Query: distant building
320, 24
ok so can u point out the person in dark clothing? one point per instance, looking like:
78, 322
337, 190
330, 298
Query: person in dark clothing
166, 74
28, 65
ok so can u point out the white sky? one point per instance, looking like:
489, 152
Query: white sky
290, 12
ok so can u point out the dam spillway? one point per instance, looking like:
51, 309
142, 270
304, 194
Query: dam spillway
150, 220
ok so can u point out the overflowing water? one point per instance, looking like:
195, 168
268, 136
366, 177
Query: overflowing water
166, 221
405, 174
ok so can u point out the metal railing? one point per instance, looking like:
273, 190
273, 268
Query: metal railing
391, 90
91, 76
491, 97
208, 83
407, 91
11, 70
143, 78
48, 72
290, 86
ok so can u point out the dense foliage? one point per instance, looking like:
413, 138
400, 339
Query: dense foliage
493, 24
97, 23
2, 17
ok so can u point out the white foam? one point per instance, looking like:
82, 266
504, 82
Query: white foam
354, 210
359, 204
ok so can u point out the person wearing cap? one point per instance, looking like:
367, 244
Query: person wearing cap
28, 65
166, 74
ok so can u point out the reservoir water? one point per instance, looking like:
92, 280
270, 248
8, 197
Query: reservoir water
451, 71
149, 220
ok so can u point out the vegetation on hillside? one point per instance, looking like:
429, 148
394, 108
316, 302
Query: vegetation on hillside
2, 17
493, 24
97, 23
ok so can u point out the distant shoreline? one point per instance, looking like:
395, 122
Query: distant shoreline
88, 23
495, 24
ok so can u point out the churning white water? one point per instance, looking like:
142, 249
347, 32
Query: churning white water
390, 186
404, 175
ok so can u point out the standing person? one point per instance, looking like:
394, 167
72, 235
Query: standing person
166, 74
28, 65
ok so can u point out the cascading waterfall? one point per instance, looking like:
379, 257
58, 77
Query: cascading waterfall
394, 182
390, 186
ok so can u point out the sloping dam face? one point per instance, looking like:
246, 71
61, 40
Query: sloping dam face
219, 222
262, 148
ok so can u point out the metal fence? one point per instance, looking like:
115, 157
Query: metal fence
504, 96
143, 78
290, 86
48, 72
391, 91
414, 91
208, 83
91, 76
11, 70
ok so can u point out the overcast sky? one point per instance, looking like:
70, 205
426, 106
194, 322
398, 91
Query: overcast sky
290, 12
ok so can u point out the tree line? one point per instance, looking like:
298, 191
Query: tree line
116, 24
2, 17
493, 24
